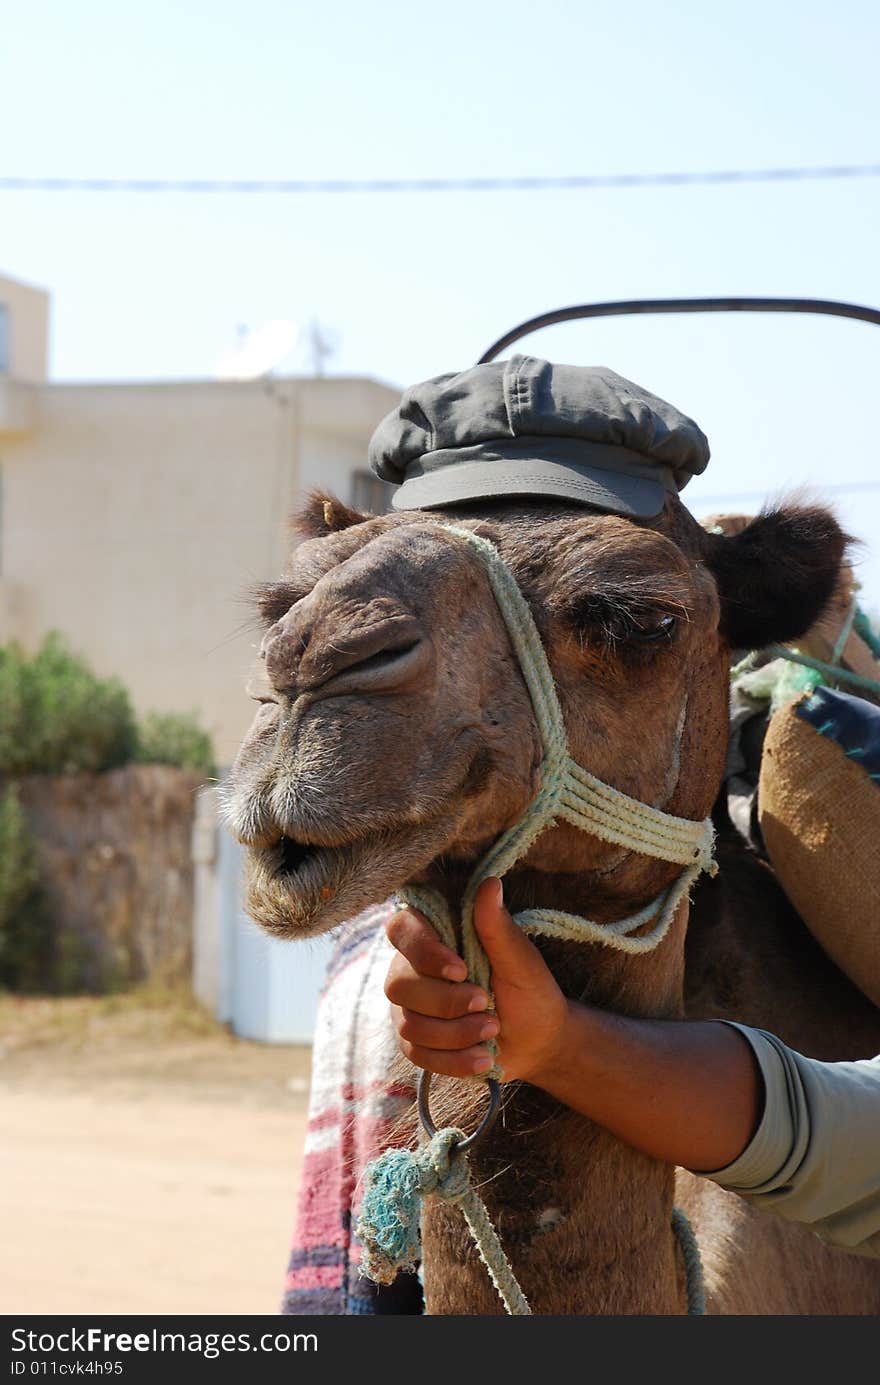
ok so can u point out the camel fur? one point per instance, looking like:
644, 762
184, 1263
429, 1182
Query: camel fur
395, 741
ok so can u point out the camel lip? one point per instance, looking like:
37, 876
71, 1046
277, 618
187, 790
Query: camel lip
293, 863
304, 889
295, 886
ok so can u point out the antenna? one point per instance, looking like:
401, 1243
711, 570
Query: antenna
322, 343
258, 352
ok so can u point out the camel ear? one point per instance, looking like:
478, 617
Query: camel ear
323, 514
777, 574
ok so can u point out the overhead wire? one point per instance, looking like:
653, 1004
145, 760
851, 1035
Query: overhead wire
518, 183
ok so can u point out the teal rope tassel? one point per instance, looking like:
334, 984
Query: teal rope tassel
394, 1185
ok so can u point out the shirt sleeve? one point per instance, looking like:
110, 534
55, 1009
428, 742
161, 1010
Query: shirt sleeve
815, 1156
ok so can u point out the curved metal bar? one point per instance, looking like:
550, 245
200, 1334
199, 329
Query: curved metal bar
482, 1129
631, 307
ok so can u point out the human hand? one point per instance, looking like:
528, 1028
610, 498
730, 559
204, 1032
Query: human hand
443, 1020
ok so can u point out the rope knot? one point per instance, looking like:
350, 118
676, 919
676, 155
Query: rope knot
394, 1185
445, 1172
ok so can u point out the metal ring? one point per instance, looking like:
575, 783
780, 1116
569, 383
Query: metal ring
485, 1124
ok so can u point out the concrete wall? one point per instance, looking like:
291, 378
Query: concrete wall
136, 517
116, 864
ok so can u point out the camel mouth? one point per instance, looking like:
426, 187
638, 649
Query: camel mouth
294, 856
297, 889
299, 867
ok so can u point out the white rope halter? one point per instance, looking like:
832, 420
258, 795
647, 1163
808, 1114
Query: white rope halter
396, 1181
567, 791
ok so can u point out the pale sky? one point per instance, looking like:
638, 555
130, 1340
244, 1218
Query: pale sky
155, 286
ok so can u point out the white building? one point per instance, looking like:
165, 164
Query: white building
135, 518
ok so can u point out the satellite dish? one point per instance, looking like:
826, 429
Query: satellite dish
259, 351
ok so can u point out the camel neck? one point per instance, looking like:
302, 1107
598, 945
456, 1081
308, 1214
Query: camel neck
588, 970
586, 1222
562, 1191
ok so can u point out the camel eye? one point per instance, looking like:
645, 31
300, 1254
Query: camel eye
653, 628
616, 625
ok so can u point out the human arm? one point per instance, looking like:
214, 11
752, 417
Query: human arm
815, 1157
687, 1093
792, 1135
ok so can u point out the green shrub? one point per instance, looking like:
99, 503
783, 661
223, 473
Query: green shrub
13, 708
24, 918
175, 738
57, 716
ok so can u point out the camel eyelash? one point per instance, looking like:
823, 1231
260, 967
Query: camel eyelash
622, 620
635, 632
275, 599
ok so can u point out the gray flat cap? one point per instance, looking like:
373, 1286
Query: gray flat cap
528, 427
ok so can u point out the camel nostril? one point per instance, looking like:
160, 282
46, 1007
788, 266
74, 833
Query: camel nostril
380, 657
384, 658
377, 670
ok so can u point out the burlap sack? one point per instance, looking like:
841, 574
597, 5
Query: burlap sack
819, 813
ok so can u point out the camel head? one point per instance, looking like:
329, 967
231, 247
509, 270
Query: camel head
395, 738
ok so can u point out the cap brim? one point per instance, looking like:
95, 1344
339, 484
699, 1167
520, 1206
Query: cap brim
590, 486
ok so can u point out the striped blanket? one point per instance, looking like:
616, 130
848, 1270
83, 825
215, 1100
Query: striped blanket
353, 1108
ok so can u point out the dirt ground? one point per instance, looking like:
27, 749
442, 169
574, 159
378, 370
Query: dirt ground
149, 1160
